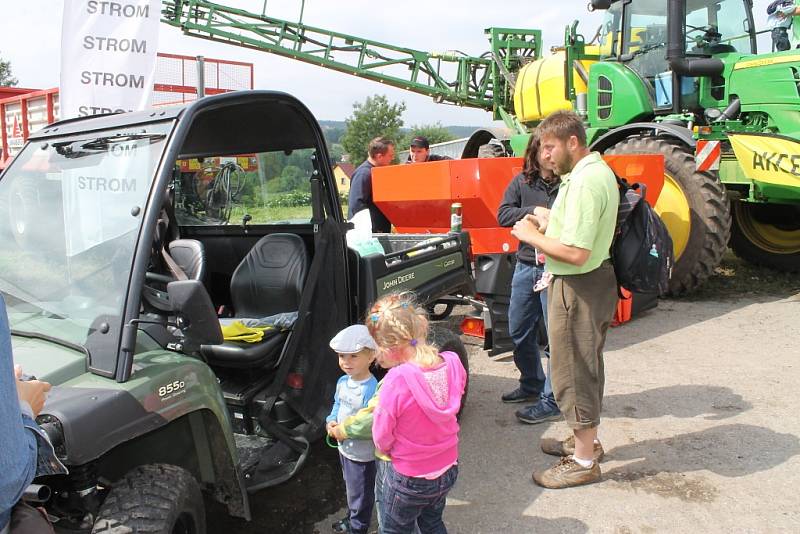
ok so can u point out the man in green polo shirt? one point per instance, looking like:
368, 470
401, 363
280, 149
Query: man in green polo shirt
583, 294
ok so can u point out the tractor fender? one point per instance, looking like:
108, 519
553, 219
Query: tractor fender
482, 137
663, 129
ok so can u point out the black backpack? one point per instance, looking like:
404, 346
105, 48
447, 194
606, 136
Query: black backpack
642, 248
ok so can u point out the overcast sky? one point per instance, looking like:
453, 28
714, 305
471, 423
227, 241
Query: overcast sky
30, 37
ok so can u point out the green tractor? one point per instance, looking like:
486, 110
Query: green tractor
677, 77
680, 78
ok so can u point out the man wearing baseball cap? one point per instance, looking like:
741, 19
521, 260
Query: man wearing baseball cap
420, 151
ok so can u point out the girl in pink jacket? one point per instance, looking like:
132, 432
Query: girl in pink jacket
415, 420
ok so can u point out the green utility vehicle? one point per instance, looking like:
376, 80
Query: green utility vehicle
121, 264
677, 77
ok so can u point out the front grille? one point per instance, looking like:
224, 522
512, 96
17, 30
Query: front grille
604, 97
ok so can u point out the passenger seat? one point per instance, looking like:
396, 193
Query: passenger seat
268, 281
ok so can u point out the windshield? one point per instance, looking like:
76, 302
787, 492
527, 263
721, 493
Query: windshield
611, 31
259, 188
712, 26
70, 212
715, 26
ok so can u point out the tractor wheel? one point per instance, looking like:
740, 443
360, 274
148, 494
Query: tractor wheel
439, 311
491, 150
767, 234
447, 340
694, 207
157, 499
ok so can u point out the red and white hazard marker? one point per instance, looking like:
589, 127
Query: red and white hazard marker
16, 131
707, 155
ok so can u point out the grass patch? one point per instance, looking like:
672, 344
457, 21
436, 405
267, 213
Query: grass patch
262, 215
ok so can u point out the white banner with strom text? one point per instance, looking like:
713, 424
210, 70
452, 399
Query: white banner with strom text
108, 56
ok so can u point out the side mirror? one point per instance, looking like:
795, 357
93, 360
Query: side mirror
196, 316
599, 4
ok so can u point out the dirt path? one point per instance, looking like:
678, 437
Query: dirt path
700, 427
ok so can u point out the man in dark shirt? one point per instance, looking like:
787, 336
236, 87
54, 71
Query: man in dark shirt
420, 151
380, 153
531, 192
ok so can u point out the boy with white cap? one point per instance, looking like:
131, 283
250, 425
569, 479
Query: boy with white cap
356, 350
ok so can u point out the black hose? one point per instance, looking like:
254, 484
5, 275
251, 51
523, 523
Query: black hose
676, 46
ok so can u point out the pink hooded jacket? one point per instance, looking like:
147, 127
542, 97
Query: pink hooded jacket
419, 436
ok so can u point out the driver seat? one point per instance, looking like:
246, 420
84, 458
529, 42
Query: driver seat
190, 255
268, 281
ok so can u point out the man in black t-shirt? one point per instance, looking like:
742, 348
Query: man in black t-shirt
380, 153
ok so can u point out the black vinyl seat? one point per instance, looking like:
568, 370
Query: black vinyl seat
268, 281
190, 255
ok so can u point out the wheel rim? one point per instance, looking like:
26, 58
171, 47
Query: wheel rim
765, 236
673, 208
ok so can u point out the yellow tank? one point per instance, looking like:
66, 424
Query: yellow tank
539, 90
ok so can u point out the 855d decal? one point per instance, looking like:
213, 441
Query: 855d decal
173, 389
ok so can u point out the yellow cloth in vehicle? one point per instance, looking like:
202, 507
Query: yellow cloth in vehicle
237, 331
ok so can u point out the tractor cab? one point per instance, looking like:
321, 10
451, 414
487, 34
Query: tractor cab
637, 34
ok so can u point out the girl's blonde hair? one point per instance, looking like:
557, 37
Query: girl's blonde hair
397, 321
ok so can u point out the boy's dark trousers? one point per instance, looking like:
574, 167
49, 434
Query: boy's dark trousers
359, 479
780, 39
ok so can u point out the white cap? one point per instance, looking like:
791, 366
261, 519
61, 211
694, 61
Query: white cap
353, 339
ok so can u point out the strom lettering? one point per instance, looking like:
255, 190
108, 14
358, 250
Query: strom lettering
116, 9
111, 79
102, 184
112, 44
85, 111
123, 150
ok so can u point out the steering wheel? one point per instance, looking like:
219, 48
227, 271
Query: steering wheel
698, 28
710, 34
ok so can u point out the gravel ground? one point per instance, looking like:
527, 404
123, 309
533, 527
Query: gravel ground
700, 429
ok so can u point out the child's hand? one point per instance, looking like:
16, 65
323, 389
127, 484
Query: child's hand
330, 428
526, 229
338, 433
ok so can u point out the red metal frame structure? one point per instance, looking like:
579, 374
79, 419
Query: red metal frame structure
188, 70
14, 96
23, 99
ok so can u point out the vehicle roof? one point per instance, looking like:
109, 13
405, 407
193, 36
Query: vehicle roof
283, 108
111, 120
